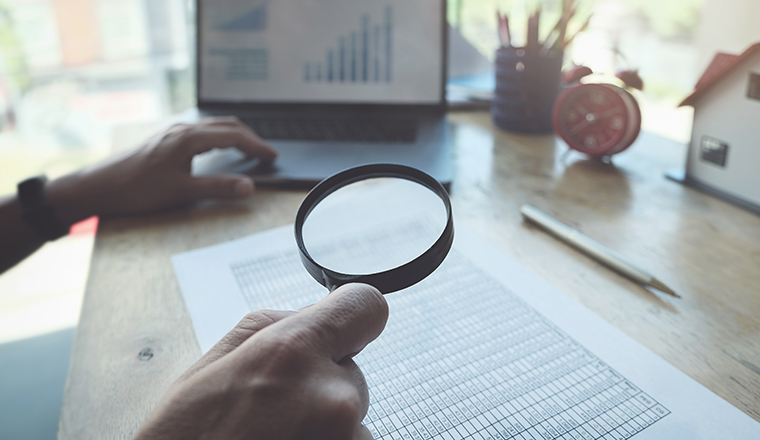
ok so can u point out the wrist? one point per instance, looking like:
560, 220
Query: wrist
67, 195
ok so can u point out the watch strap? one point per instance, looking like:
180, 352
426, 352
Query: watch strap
38, 214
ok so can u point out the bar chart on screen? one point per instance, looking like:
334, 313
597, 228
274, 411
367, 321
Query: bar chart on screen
363, 55
321, 50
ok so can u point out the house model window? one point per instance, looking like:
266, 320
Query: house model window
713, 150
753, 90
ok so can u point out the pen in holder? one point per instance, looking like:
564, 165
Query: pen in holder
527, 84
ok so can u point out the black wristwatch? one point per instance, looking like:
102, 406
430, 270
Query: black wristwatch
38, 214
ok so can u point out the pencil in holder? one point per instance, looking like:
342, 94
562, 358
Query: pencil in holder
527, 84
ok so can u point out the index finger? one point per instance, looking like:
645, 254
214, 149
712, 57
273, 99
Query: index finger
341, 324
202, 138
251, 324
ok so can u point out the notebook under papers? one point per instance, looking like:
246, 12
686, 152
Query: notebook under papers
330, 84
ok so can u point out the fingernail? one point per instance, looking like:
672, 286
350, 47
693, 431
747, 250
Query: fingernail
244, 188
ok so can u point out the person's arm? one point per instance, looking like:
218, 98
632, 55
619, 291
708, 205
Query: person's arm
279, 376
17, 240
153, 177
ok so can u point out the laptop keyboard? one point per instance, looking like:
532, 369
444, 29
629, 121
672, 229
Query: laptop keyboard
335, 130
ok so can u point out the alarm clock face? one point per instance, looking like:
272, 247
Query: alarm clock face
597, 119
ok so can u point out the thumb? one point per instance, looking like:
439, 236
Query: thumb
220, 187
342, 323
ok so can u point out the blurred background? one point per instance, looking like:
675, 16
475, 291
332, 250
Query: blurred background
74, 74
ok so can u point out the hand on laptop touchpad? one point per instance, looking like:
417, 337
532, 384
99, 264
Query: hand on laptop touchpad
230, 161
263, 168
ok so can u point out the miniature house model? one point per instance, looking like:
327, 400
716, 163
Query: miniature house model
724, 154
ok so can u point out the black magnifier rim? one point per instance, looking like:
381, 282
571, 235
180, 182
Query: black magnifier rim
394, 279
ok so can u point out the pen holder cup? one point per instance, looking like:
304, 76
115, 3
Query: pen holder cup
527, 84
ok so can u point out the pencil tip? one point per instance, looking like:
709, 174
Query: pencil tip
659, 285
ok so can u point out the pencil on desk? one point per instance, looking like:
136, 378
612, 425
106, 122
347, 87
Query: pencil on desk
595, 250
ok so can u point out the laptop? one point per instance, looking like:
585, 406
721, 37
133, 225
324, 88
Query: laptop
330, 84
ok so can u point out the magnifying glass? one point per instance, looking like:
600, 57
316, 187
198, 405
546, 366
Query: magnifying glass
386, 225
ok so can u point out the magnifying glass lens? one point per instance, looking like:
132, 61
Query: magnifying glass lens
374, 225
386, 225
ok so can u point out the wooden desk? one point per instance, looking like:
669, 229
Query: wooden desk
135, 336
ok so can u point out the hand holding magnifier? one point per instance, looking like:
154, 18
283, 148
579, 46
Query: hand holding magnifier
386, 225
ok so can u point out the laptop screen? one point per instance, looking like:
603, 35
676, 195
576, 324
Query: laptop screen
321, 51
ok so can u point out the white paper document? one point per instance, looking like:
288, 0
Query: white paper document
481, 349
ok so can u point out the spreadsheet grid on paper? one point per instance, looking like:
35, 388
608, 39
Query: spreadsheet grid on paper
464, 357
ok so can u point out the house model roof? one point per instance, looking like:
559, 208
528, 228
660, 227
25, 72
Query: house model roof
720, 65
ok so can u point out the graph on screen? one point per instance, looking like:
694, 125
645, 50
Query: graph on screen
253, 20
364, 51
364, 55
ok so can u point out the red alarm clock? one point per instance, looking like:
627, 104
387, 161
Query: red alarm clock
597, 119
